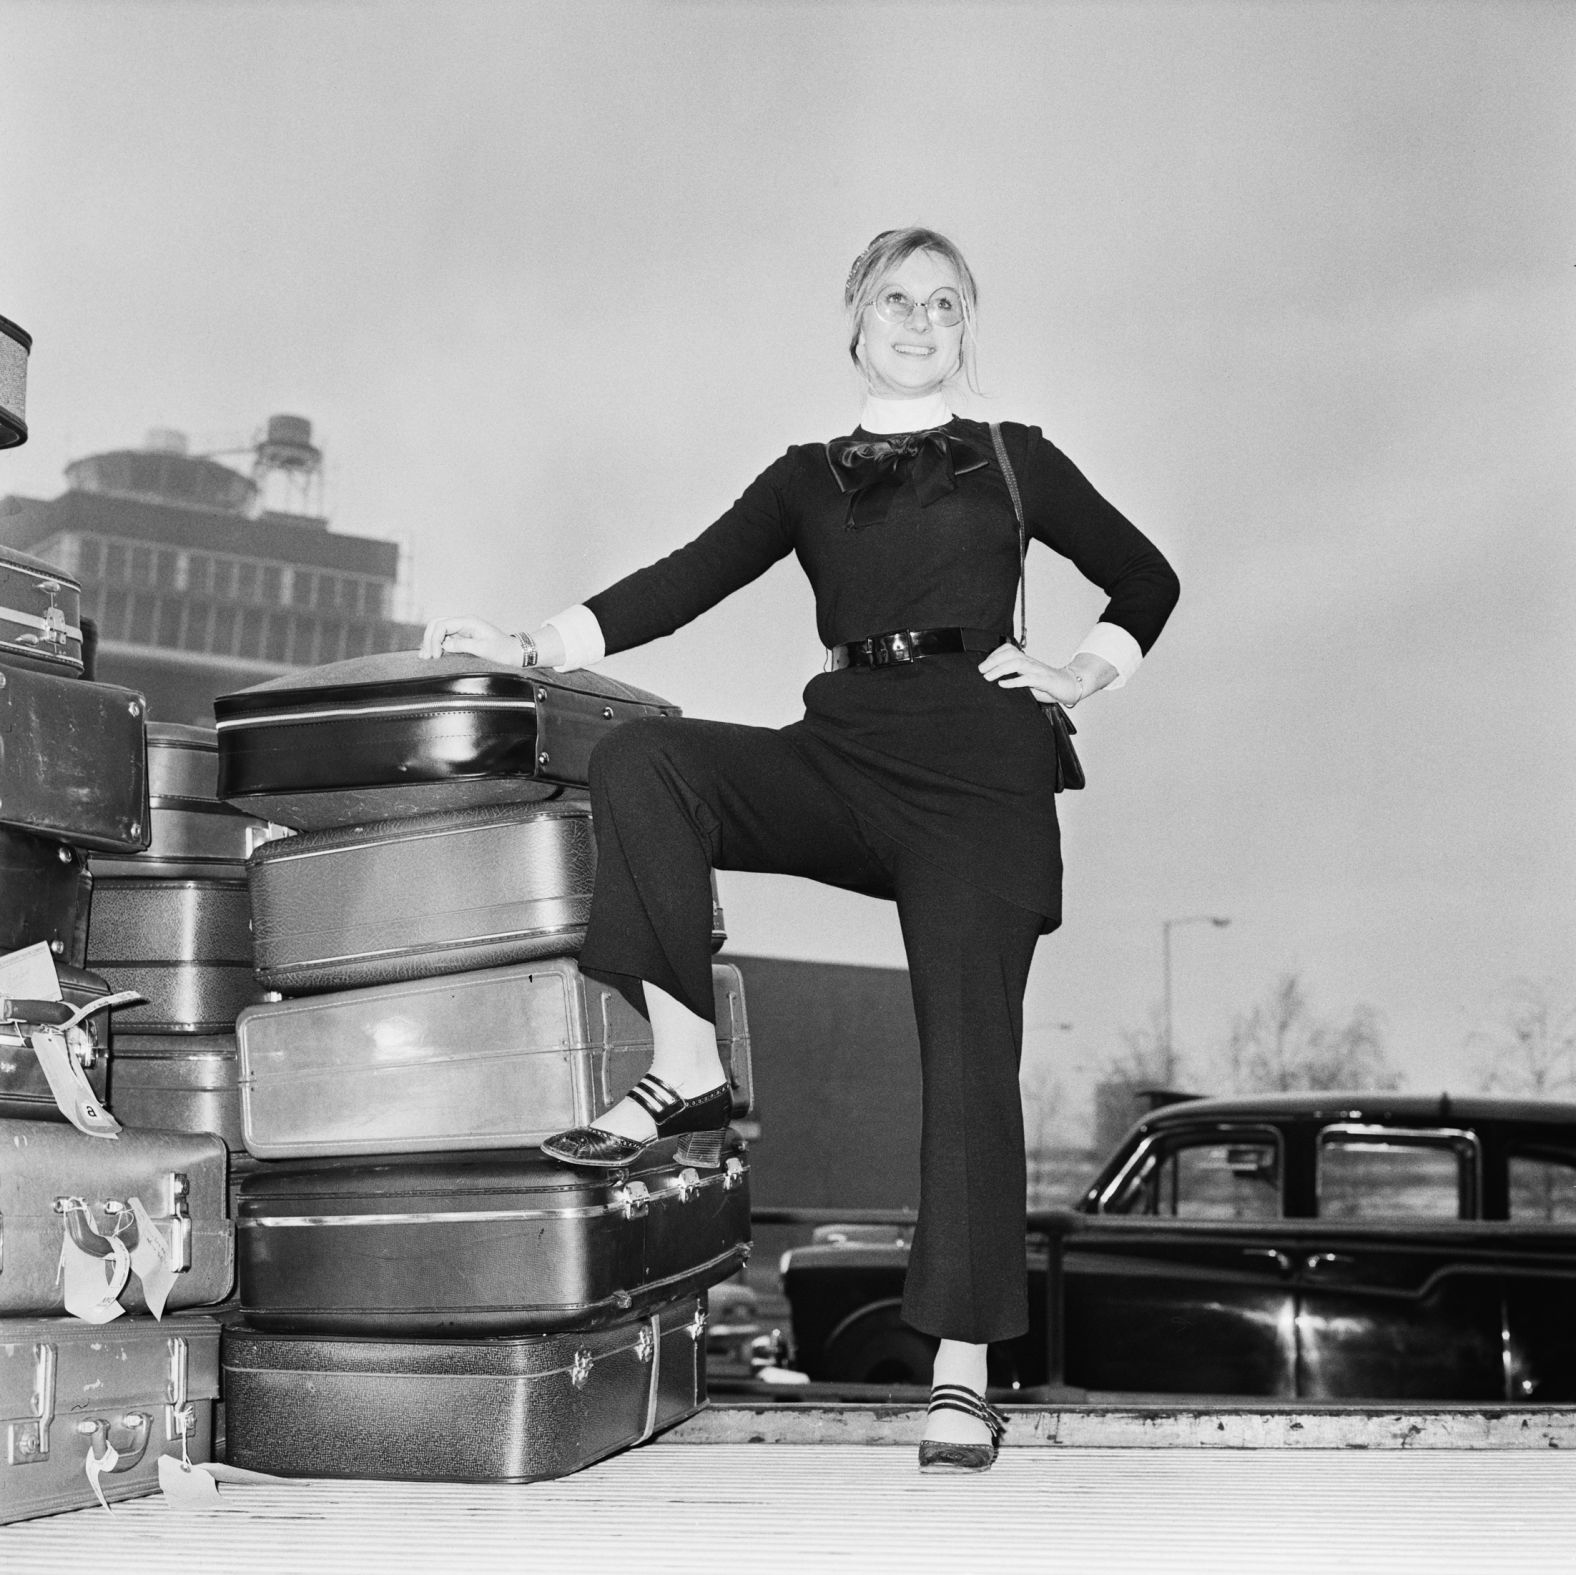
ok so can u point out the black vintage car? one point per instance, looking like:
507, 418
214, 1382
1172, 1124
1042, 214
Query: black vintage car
1324, 1246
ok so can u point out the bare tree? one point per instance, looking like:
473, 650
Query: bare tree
1530, 1046
1145, 1063
1282, 1045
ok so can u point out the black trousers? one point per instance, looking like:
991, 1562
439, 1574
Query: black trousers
674, 798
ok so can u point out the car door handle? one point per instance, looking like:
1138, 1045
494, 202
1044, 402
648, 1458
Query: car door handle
1327, 1260
1281, 1260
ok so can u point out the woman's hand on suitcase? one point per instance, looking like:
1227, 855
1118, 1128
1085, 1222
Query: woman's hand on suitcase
470, 636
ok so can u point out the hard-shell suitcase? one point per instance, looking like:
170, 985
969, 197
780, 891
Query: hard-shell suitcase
427, 895
184, 944
15, 344
56, 1182
194, 833
69, 1389
496, 1410
379, 737
44, 892
499, 1058
179, 1083
40, 615
501, 1242
408, 899
24, 1089
73, 760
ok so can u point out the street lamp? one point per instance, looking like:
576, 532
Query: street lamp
1165, 957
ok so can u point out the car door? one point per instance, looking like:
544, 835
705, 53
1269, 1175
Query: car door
1180, 1282
1393, 1300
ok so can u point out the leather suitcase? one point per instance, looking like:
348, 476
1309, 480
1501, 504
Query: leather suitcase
24, 1090
73, 760
184, 944
69, 1388
427, 895
497, 1410
40, 615
44, 893
179, 1178
178, 1083
193, 832
499, 1058
500, 1242
381, 737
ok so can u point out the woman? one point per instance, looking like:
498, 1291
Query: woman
922, 772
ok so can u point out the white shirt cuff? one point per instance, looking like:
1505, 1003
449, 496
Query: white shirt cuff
582, 636
1112, 643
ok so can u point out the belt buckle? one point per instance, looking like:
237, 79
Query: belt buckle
899, 646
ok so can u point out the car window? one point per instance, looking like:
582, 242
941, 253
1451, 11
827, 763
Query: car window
1376, 1176
1543, 1187
1223, 1179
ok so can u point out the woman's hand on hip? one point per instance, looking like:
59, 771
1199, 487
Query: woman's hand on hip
1015, 669
470, 637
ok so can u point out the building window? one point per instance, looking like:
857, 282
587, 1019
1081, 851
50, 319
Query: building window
199, 615
168, 622
301, 588
115, 563
273, 585
199, 573
90, 558
277, 646
116, 613
140, 627
225, 619
246, 581
250, 645
224, 578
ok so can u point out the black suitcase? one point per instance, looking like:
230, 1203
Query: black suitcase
380, 737
73, 760
44, 892
184, 944
193, 833
69, 1389
499, 1242
40, 615
24, 1090
494, 1410
178, 1082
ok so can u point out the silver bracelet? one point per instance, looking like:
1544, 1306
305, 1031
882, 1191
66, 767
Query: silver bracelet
1077, 679
527, 648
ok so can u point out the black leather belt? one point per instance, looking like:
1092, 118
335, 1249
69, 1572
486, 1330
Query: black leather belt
910, 645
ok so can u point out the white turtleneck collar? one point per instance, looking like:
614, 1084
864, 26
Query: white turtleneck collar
904, 415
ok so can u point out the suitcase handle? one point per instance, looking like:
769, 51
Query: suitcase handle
138, 1424
61, 1014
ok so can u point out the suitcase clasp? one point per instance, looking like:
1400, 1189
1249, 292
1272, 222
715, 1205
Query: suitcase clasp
180, 1222
687, 1183
733, 1174
27, 1439
633, 1199
580, 1368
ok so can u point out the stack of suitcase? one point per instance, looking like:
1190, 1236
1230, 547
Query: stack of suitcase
422, 1294
99, 1226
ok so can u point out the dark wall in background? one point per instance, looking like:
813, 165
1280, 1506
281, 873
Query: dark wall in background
836, 1060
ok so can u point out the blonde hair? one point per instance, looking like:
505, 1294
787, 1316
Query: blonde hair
889, 250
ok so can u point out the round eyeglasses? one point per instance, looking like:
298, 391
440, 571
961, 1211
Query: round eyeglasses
944, 307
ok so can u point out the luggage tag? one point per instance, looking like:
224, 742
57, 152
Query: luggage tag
97, 1466
195, 1489
69, 1084
91, 1284
150, 1259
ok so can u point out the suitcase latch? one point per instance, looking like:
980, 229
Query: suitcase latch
646, 1345
733, 1174
27, 1438
580, 1368
687, 1184
696, 1327
633, 1199
180, 1241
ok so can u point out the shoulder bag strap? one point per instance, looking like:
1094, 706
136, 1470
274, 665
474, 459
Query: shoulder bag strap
1023, 534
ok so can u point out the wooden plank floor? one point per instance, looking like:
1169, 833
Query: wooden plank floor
802, 1508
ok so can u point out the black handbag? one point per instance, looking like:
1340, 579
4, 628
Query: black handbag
1069, 769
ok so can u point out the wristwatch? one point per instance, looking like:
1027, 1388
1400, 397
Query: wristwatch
527, 648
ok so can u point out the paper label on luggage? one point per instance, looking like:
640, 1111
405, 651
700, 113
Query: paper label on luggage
187, 1488
29, 974
97, 1465
90, 1284
69, 1084
150, 1260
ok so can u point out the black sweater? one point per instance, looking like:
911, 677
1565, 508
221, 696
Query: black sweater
954, 767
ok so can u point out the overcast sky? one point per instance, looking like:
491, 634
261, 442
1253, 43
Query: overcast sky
1291, 283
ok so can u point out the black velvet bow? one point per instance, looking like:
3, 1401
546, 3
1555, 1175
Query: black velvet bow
871, 471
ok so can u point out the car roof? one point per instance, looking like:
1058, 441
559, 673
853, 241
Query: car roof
1358, 1105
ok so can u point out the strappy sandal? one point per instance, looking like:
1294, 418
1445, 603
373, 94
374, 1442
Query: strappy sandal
938, 1455
700, 1124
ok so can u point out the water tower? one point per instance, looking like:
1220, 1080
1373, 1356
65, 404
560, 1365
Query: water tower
288, 467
